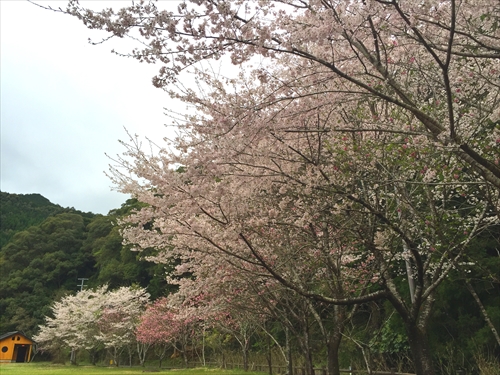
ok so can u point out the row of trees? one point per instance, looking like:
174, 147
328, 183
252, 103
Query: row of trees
35, 259
123, 320
361, 150
280, 328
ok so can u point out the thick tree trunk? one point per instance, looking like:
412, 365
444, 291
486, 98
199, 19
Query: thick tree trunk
416, 320
333, 346
419, 347
334, 339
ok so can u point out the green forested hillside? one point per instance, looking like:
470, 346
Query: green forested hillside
47, 248
21, 211
37, 265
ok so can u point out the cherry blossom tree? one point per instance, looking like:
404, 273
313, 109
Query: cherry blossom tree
204, 302
435, 62
239, 323
74, 323
310, 197
371, 121
155, 328
384, 198
168, 323
93, 319
235, 295
118, 318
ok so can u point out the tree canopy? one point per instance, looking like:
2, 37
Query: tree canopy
20, 211
351, 168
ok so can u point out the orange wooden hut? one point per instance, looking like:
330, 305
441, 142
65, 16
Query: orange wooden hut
15, 347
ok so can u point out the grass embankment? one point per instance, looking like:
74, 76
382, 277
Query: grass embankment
50, 369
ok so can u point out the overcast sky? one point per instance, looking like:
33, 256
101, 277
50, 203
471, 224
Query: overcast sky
65, 103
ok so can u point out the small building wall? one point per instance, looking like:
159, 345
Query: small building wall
15, 347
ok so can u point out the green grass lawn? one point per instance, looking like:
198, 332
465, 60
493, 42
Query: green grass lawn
49, 369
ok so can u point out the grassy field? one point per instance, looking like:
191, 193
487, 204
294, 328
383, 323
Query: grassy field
50, 369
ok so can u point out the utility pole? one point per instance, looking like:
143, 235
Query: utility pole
82, 282
73, 352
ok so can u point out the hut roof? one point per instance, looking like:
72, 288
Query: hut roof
8, 334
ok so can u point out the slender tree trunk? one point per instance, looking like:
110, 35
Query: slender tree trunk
367, 357
288, 352
185, 358
308, 359
92, 354
269, 355
483, 311
161, 351
203, 346
72, 358
130, 355
114, 355
245, 357
142, 350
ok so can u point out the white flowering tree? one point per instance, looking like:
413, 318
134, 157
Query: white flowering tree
92, 320
74, 323
119, 317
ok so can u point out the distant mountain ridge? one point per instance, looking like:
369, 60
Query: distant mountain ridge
21, 211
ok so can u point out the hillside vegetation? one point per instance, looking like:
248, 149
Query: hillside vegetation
21, 211
46, 248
